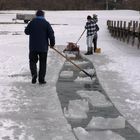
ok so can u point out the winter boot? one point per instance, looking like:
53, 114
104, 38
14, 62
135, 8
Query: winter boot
34, 79
88, 51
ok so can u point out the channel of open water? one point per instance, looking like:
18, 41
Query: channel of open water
67, 88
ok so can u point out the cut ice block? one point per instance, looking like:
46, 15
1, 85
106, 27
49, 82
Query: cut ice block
75, 114
96, 98
84, 80
79, 104
106, 123
79, 63
76, 109
66, 74
82, 134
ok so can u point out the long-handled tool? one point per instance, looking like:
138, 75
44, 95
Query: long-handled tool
91, 76
80, 36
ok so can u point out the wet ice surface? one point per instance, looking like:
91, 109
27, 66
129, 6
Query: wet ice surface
100, 120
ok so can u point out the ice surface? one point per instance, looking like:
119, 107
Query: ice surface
95, 98
8, 134
82, 134
77, 109
66, 74
90, 71
58, 138
106, 123
133, 104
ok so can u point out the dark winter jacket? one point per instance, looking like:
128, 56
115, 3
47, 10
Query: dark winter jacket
41, 35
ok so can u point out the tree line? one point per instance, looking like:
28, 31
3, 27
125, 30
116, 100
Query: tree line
68, 4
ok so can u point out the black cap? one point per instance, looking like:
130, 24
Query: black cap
89, 17
40, 13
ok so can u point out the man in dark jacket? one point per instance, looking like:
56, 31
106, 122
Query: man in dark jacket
41, 35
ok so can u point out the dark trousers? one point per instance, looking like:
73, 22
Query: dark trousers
95, 43
33, 59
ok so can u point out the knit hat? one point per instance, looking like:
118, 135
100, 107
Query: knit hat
89, 17
40, 13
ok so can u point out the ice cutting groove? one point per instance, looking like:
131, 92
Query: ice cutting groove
100, 106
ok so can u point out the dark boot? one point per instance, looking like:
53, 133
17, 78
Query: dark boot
91, 50
88, 51
34, 79
42, 82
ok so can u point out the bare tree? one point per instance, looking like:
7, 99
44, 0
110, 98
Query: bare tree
69, 4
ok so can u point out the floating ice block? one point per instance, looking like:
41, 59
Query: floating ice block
82, 134
96, 98
106, 123
66, 74
76, 109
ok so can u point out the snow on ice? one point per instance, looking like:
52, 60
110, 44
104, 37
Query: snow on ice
6, 133
134, 104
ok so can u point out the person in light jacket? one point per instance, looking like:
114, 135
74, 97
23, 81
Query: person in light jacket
91, 31
41, 35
